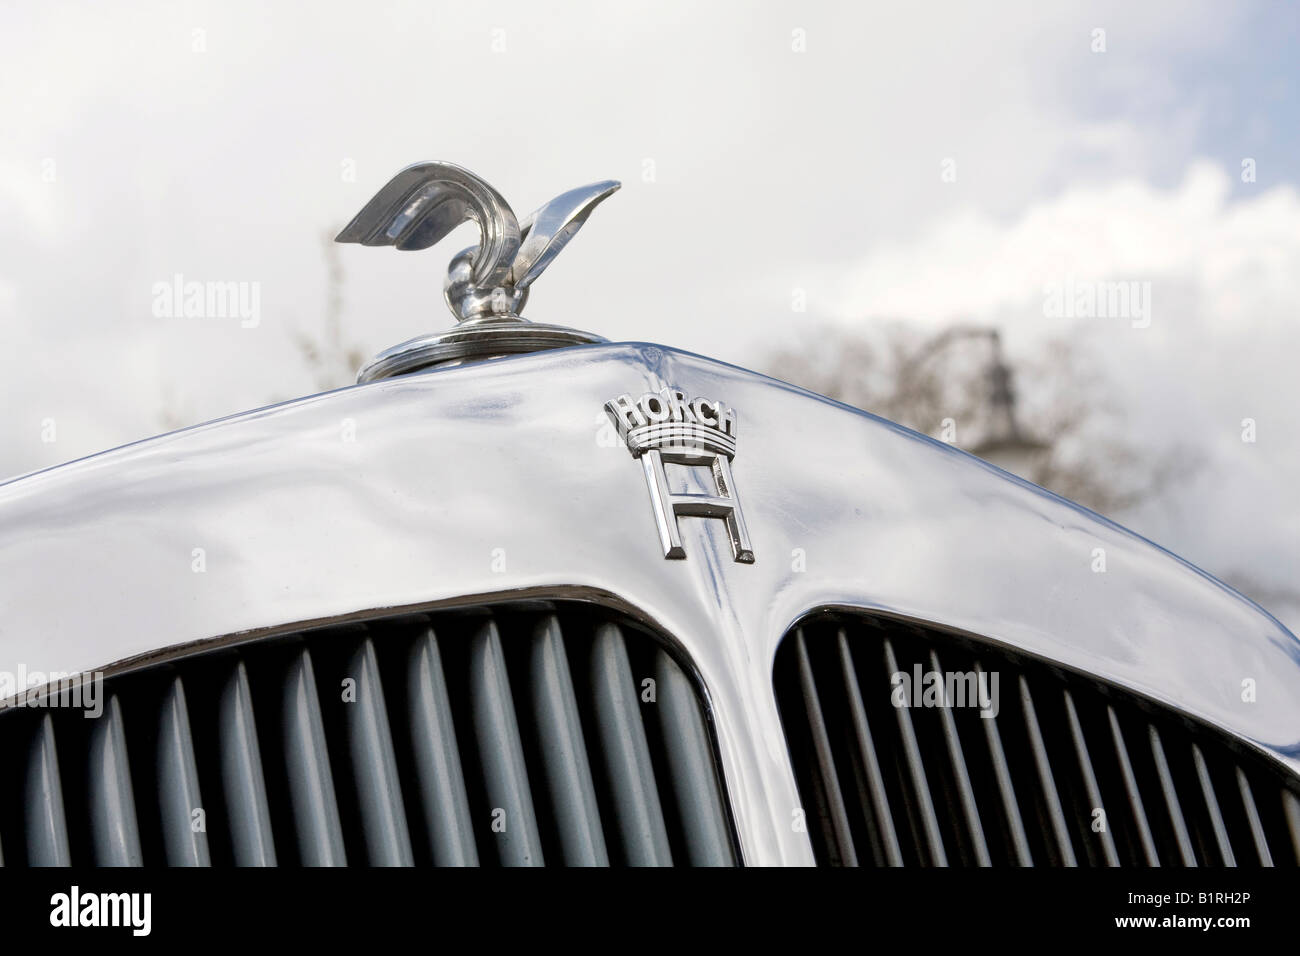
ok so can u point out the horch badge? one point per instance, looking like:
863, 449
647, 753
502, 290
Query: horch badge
669, 427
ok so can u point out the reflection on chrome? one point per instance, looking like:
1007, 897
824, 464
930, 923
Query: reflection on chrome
484, 481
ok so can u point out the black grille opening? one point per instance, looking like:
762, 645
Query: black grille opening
1068, 771
540, 734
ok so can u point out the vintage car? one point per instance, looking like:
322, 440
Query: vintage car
523, 596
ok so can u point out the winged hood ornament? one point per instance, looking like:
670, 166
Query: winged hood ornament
487, 284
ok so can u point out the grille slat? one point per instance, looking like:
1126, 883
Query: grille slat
691, 774
505, 775
1046, 780
178, 783
1044, 764
629, 771
521, 734
1015, 823
1223, 844
1131, 791
243, 782
374, 764
830, 797
46, 825
961, 778
1257, 834
1091, 788
441, 780
1172, 804
114, 828
565, 768
1291, 810
921, 803
310, 780
884, 836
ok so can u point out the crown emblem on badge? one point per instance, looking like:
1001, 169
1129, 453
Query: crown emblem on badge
668, 427
671, 422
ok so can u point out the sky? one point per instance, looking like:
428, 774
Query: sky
914, 163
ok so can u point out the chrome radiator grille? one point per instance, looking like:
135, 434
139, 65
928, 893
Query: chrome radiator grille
555, 735
1069, 771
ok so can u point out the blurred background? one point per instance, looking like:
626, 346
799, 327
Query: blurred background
1062, 236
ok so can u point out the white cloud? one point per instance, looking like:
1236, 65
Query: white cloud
1235, 254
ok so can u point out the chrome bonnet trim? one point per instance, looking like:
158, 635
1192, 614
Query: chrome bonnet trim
508, 478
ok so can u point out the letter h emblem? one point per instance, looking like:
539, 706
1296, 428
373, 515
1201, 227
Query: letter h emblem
666, 427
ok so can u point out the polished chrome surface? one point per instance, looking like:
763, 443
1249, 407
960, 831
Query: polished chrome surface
546, 231
506, 479
472, 342
487, 284
424, 202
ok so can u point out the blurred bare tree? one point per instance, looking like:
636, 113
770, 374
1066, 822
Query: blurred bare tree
924, 381
173, 410
332, 361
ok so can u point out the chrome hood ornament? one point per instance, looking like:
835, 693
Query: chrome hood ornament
487, 285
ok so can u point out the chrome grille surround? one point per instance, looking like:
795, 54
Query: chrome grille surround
504, 481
